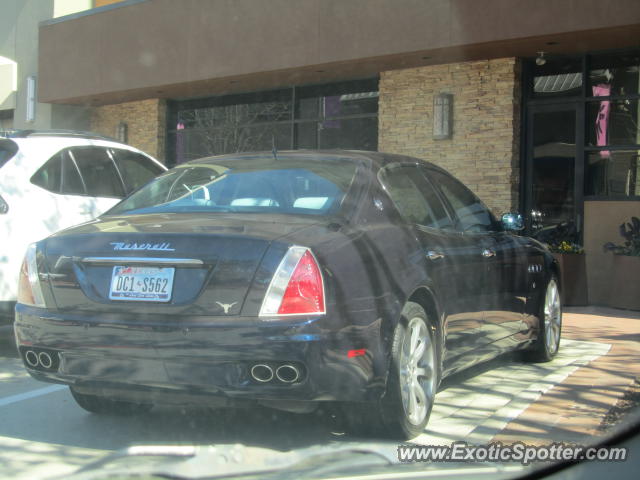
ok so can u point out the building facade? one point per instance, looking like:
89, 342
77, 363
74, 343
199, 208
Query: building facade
19, 106
532, 103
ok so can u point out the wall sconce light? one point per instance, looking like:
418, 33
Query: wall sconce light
122, 132
30, 115
442, 116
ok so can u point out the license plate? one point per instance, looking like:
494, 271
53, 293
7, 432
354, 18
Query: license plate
142, 284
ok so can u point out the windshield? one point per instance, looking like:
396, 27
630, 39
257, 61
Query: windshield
307, 187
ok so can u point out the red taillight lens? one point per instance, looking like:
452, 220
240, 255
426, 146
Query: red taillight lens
29, 290
25, 294
304, 293
297, 287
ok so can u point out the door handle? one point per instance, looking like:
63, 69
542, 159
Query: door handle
488, 253
433, 255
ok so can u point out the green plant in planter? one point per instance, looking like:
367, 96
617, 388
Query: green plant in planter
561, 238
631, 234
566, 247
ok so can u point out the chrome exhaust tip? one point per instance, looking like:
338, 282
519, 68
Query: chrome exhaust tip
45, 360
262, 373
287, 373
31, 358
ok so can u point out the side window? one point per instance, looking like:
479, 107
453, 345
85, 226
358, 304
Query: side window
471, 212
49, 175
98, 172
71, 182
414, 197
136, 169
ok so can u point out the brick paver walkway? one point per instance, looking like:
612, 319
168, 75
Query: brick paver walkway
573, 410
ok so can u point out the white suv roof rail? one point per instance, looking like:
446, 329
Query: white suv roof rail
55, 133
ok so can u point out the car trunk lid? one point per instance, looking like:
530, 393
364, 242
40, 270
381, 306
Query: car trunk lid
177, 263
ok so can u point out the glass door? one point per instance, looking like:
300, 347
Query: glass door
553, 195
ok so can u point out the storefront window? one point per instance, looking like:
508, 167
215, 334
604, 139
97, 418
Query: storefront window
619, 73
582, 141
613, 122
613, 173
558, 78
343, 115
612, 139
553, 167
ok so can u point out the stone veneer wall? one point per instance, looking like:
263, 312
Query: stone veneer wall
484, 149
146, 121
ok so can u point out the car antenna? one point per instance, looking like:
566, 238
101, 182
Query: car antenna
274, 150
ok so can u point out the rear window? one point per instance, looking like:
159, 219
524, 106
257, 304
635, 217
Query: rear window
255, 185
8, 149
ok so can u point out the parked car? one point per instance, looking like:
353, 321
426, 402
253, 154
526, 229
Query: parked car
286, 279
50, 180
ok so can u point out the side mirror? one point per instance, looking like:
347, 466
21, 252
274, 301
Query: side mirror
512, 222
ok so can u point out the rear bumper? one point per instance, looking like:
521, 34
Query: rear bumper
203, 357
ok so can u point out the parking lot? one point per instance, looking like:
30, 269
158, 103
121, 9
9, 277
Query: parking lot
44, 434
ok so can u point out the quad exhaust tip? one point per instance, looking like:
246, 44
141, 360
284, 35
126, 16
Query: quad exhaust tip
45, 360
284, 373
31, 358
262, 373
287, 373
40, 359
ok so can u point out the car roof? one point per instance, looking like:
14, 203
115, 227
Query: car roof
375, 160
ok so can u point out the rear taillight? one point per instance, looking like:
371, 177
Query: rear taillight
29, 290
297, 287
4, 206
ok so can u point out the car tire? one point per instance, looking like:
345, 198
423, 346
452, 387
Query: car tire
102, 405
403, 411
546, 345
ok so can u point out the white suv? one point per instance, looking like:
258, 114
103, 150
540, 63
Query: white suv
50, 180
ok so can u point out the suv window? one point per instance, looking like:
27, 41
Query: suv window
98, 172
72, 183
414, 197
8, 149
49, 175
471, 212
136, 169
60, 175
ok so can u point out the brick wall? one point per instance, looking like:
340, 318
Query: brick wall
145, 119
484, 149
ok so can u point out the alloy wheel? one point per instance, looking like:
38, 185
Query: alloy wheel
417, 371
552, 317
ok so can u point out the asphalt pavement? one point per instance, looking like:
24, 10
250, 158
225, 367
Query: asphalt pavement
44, 434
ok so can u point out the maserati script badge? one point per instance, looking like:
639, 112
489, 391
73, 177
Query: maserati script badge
154, 247
226, 306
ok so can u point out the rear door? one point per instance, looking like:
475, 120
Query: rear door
451, 259
497, 296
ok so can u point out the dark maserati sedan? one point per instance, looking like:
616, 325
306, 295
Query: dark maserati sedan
286, 279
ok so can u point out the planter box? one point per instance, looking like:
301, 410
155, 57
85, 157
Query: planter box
625, 284
573, 278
